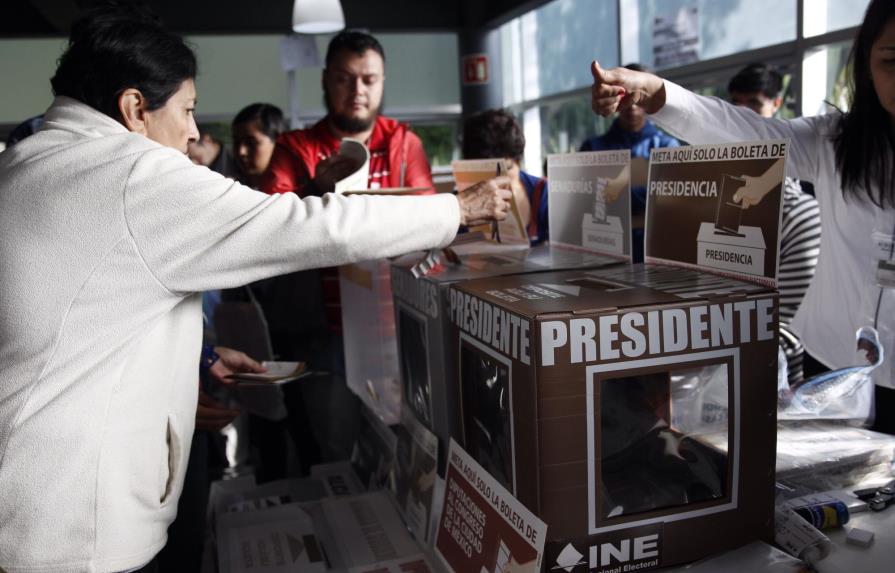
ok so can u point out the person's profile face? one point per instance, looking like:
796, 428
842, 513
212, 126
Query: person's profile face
353, 86
173, 123
757, 102
882, 67
252, 147
632, 118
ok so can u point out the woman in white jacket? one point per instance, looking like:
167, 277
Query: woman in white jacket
848, 156
107, 235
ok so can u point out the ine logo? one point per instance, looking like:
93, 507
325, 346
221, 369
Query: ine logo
618, 556
568, 559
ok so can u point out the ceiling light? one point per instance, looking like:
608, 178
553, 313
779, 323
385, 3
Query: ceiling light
317, 16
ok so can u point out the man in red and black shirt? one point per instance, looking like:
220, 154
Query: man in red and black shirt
305, 161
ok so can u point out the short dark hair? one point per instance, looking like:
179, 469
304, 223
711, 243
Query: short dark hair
268, 116
756, 78
120, 45
493, 133
354, 42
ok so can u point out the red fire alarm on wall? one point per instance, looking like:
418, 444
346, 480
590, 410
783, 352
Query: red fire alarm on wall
475, 69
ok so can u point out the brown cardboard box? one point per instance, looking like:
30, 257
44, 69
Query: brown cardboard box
595, 395
423, 325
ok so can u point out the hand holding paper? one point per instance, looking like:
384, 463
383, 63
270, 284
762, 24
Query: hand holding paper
232, 362
755, 188
485, 201
333, 170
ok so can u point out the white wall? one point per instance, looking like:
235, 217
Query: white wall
234, 71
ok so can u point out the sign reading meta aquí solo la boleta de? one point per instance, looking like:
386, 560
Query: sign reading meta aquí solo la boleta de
717, 208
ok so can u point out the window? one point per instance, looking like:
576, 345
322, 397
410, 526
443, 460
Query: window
667, 33
548, 50
824, 79
439, 142
822, 16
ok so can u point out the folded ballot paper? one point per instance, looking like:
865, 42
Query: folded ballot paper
360, 155
357, 182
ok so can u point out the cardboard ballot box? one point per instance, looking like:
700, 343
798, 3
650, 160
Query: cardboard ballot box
423, 325
596, 396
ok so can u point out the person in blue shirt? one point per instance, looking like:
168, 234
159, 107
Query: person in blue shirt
632, 130
495, 134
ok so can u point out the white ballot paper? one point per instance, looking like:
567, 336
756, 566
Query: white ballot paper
360, 155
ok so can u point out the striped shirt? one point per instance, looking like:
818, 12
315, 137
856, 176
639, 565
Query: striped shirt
799, 249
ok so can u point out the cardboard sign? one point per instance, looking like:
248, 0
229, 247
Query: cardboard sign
469, 172
416, 461
590, 202
483, 528
717, 208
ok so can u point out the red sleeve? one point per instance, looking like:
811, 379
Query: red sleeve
287, 172
418, 173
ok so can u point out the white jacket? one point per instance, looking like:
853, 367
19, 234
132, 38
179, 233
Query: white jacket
843, 296
106, 238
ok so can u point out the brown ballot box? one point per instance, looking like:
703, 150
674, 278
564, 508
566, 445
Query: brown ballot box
630, 408
420, 286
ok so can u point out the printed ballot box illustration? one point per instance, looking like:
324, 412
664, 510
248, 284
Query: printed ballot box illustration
599, 398
420, 285
696, 214
590, 201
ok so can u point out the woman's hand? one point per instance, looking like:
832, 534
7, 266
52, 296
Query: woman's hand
620, 88
485, 201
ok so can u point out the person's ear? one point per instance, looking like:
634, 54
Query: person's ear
132, 109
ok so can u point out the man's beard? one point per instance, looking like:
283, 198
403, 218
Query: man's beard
348, 124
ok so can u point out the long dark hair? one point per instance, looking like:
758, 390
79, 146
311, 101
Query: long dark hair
865, 141
121, 45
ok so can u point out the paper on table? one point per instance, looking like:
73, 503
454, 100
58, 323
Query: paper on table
277, 540
360, 155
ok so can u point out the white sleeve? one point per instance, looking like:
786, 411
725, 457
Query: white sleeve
197, 230
701, 120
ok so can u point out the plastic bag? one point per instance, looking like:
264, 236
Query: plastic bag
844, 394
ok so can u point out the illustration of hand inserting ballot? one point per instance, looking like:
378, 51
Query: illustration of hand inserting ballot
754, 189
